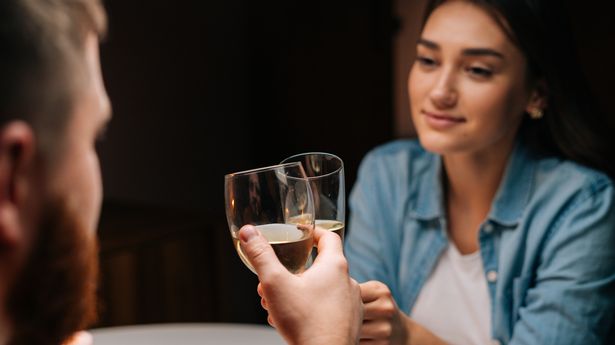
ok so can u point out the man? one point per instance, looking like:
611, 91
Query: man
52, 106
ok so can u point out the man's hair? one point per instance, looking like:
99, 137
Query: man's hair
42, 61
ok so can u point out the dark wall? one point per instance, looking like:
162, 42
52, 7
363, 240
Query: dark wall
204, 88
594, 30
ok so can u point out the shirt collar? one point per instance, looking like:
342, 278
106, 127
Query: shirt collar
514, 191
428, 202
509, 202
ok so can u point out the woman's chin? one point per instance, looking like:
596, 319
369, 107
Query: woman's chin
439, 144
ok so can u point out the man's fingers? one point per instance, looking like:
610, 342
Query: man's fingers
81, 338
270, 321
326, 239
328, 243
260, 254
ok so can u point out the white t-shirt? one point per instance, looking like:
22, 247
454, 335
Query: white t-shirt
454, 303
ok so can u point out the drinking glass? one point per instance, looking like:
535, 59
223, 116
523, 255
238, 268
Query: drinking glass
325, 172
278, 201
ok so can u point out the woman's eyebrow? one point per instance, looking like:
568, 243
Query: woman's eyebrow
468, 52
429, 44
482, 51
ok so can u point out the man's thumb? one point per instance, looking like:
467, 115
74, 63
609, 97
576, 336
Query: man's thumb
258, 251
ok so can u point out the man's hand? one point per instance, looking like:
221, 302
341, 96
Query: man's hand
320, 306
80, 338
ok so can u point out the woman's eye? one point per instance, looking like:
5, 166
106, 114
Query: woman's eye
426, 61
480, 72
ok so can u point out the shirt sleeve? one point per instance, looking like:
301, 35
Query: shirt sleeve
367, 248
572, 297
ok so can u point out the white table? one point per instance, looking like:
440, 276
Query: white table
187, 334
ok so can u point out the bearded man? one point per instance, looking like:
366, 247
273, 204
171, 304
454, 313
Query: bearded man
53, 105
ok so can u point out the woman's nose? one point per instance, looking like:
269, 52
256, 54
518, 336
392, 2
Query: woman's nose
444, 93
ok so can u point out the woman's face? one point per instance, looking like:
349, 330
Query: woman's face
468, 88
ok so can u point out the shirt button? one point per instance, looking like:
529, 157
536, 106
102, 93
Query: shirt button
492, 276
488, 228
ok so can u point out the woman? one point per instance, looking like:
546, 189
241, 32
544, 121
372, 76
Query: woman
497, 225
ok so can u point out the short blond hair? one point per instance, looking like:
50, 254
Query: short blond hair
42, 60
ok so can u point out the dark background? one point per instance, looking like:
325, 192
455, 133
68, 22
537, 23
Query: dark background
204, 88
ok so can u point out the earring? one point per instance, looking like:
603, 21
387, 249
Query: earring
535, 113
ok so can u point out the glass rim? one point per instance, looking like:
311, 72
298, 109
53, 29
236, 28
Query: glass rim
341, 167
257, 170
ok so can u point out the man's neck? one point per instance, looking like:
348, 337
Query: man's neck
6, 326
5, 330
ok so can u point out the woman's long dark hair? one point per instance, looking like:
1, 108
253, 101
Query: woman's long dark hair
572, 126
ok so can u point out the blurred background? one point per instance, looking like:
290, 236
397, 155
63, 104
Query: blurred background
204, 88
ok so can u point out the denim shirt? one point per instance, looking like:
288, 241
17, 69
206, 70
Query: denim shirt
547, 244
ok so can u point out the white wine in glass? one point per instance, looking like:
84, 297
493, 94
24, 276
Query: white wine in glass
331, 225
291, 244
325, 171
278, 201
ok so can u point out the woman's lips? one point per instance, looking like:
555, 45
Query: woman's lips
442, 121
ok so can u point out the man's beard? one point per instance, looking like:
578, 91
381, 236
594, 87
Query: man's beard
55, 293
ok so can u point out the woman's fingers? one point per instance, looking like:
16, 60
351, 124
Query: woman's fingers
377, 329
379, 314
378, 301
380, 309
372, 290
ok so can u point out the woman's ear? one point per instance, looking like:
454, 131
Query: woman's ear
16, 160
538, 98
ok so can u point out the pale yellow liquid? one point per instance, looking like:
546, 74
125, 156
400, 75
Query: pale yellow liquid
291, 244
332, 225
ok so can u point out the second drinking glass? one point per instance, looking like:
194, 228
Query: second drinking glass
325, 172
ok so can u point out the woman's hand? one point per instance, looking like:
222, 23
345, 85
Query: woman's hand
383, 322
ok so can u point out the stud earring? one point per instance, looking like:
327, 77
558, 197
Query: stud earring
536, 113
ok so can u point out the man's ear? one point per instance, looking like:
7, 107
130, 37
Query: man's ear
16, 159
